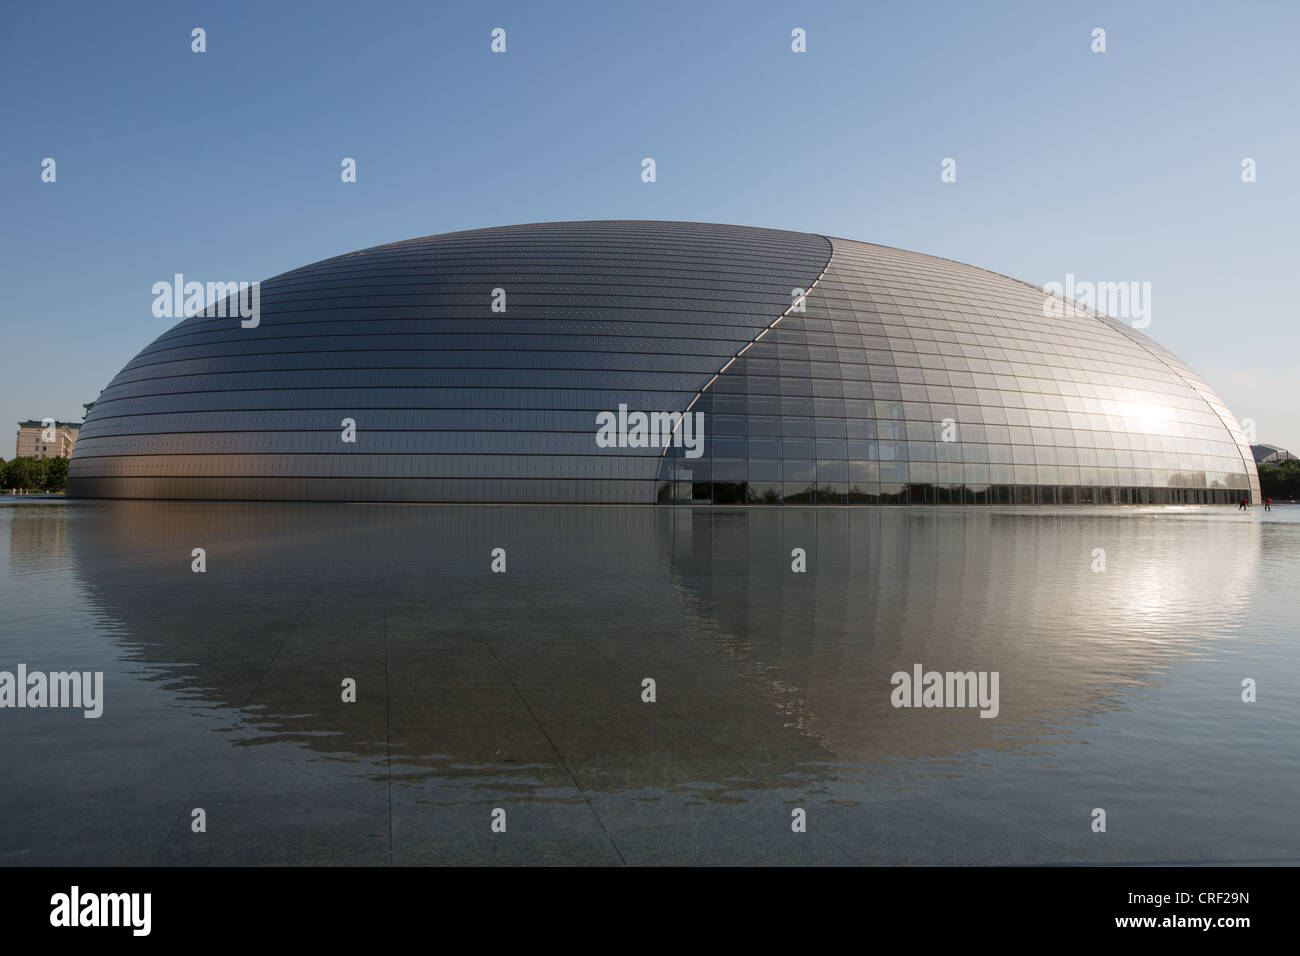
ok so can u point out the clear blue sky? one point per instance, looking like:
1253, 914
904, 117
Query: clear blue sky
225, 165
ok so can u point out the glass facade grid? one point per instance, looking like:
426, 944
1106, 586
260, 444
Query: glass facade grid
977, 399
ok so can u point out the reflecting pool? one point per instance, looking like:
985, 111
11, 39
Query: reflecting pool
1120, 637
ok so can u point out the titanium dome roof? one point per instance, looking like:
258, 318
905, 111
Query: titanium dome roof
905, 378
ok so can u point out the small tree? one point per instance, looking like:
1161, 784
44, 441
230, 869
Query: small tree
20, 474
1281, 480
54, 477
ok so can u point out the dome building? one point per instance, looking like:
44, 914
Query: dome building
642, 362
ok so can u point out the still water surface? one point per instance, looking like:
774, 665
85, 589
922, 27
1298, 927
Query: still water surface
1118, 689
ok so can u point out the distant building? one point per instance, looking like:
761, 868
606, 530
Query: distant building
40, 440
1270, 454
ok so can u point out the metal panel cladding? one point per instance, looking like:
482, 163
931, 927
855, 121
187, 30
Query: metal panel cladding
452, 400
899, 378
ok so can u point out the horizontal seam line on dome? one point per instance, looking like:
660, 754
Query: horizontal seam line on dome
347, 368
692, 255
511, 334
717, 244
535, 388
211, 322
668, 389
629, 266
379, 335
685, 261
584, 272
676, 266
636, 304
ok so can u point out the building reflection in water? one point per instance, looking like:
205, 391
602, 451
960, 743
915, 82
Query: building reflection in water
463, 672
524, 690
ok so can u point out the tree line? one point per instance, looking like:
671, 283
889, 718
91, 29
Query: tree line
1280, 481
28, 475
